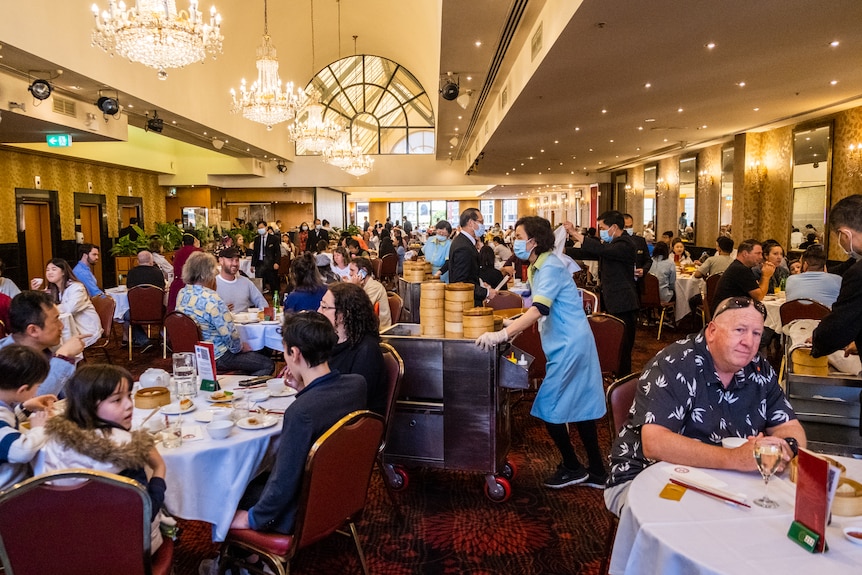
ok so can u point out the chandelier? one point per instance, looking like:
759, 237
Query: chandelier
359, 164
265, 102
341, 152
316, 133
154, 34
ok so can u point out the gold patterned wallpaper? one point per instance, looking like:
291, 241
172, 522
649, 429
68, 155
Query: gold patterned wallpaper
67, 177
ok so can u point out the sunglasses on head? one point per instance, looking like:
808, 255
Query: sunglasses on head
739, 303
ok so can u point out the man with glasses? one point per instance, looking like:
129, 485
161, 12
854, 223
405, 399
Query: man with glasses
463, 265
698, 390
842, 329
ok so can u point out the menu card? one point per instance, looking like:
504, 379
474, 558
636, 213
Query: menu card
205, 353
816, 482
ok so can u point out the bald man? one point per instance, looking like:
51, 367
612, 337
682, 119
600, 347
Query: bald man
145, 273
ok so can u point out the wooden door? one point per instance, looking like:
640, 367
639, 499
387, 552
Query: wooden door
91, 229
128, 212
37, 237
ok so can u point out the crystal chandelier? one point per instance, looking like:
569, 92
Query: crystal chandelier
359, 163
265, 102
154, 34
316, 133
341, 152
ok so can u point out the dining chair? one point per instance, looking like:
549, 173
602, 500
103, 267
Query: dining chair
395, 305
609, 332
388, 270
334, 492
711, 286
651, 300
590, 300
394, 476
376, 267
802, 308
506, 300
181, 332
105, 306
284, 272
146, 309
619, 399
79, 522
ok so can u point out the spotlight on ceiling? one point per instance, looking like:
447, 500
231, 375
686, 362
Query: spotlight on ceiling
155, 124
453, 141
108, 106
218, 144
281, 167
40, 89
449, 90
464, 99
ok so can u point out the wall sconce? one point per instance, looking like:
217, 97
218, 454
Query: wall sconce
661, 187
704, 180
757, 174
854, 160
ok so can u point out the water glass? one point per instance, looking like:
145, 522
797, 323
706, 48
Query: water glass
172, 435
185, 375
240, 408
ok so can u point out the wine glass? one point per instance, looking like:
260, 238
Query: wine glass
768, 456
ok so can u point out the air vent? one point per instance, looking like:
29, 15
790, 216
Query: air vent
65, 107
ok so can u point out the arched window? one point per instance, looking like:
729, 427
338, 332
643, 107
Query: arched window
384, 105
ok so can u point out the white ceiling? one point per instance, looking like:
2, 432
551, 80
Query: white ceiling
600, 58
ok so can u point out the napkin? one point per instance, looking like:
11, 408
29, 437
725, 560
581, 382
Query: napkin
192, 433
560, 235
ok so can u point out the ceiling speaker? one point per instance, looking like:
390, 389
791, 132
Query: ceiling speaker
450, 90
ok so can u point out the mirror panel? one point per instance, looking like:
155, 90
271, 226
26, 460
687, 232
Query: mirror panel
725, 202
685, 205
812, 156
650, 177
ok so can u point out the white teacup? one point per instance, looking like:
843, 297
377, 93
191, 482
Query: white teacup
219, 429
733, 442
275, 385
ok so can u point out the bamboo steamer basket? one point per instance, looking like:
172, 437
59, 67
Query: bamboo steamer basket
433, 330
414, 272
453, 330
425, 303
848, 498
457, 306
433, 288
478, 320
498, 322
152, 397
459, 292
804, 364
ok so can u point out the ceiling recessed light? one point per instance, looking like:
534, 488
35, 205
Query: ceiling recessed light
665, 139
650, 120
756, 109
556, 141
604, 111
543, 151
130, 106
679, 109
469, 78
478, 43
637, 149
174, 122
611, 141
205, 134
459, 117
456, 129
530, 158
640, 128
703, 127
741, 84
577, 129
75, 88
647, 85
709, 45
833, 82
522, 163
834, 43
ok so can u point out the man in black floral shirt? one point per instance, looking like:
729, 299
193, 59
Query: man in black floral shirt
698, 390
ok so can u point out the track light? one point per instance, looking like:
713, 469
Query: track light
453, 141
464, 99
108, 106
40, 89
281, 167
218, 144
155, 124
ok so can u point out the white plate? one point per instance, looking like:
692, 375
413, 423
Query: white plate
174, 409
259, 395
287, 391
206, 415
262, 422
228, 399
245, 321
855, 529
269, 322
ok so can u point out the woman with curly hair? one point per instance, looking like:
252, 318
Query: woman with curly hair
349, 309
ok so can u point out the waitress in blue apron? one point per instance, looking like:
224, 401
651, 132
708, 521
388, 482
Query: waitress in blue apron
572, 390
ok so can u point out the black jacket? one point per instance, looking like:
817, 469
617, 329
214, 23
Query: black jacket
272, 251
642, 259
315, 236
616, 270
464, 265
844, 324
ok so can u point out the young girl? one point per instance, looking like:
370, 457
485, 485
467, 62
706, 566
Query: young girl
94, 433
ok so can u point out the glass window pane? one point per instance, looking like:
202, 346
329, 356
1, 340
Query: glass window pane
510, 213
453, 212
438, 211
487, 209
390, 138
424, 218
395, 211
410, 211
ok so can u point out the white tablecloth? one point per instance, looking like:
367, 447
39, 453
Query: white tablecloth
259, 336
702, 535
685, 288
245, 266
206, 478
773, 311
121, 296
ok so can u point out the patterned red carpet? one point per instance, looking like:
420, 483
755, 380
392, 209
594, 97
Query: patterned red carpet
444, 524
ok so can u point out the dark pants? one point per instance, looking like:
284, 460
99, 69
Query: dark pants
249, 362
630, 318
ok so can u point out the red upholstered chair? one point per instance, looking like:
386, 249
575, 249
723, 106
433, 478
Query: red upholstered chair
181, 332
608, 332
334, 490
99, 524
146, 309
377, 268
395, 305
506, 300
590, 301
802, 308
651, 299
105, 306
394, 366
619, 399
388, 270
711, 286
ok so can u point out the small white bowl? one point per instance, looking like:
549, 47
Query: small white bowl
219, 429
221, 414
275, 385
259, 395
733, 442
856, 530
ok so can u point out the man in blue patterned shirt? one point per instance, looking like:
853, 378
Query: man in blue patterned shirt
698, 390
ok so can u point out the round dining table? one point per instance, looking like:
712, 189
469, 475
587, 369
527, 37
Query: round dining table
207, 477
773, 303
685, 288
701, 535
120, 295
261, 334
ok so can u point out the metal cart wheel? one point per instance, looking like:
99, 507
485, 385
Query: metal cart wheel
396, 477
509, 471
497, 489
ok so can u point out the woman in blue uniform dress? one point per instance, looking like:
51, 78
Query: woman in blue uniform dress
572, 390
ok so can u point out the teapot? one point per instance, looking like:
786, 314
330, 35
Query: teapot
154, 377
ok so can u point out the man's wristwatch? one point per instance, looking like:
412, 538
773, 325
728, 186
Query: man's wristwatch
793, 444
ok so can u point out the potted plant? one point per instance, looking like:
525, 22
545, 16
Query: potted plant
170, 234
125, 251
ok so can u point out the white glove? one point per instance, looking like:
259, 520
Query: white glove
489, 339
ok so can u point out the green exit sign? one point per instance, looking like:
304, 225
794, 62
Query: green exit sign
59, 140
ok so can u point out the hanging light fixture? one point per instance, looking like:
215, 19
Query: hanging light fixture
341, 152
359, 164
265, 102
154, 34
315, 133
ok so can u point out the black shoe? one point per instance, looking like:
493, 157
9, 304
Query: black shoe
565, 477
595, 480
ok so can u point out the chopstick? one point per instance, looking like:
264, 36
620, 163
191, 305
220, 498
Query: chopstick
718, 494
502, 283
152, 413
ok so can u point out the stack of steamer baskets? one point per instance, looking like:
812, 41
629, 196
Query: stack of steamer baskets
478, 320
458, 298
431, 307
414, 272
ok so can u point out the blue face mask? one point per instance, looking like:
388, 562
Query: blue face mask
480, 231
520, 248
605, 235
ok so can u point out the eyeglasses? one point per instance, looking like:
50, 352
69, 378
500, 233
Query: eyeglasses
739, 303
